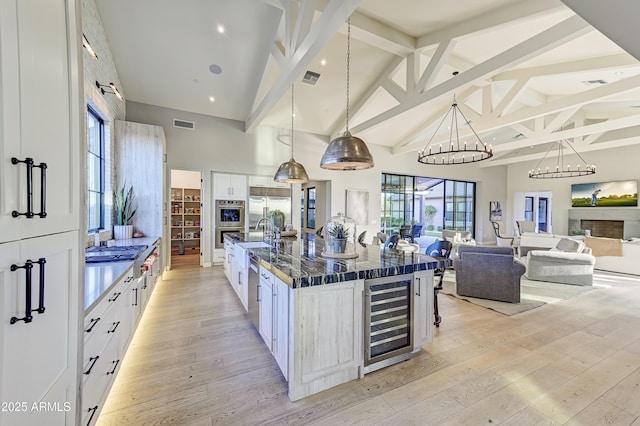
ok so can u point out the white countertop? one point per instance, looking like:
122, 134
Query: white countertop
99, 277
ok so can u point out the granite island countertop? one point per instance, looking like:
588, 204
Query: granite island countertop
298, 262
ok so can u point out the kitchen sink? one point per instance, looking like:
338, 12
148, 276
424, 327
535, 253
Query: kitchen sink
112, 254
253, 244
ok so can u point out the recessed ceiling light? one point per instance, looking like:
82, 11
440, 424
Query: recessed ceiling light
215, 69
323, 62
220, 29
212, 99
618, 73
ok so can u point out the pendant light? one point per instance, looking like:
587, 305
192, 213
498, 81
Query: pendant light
291, 171
347, 152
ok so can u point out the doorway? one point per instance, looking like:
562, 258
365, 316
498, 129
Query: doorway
543, 212
186, 213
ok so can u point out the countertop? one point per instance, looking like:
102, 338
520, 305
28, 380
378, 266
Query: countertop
99, 277
298, 262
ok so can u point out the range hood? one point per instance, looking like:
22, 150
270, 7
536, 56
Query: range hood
263, 191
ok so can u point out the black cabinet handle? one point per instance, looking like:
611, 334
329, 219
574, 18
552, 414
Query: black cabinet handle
43, 188
115, 326
136, 302
41, 308
115, 296
93, 361
258, 293
28, 267
29, 162
93, 323
418, 293
92, 410
114, 367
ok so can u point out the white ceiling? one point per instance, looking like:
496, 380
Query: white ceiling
522, 68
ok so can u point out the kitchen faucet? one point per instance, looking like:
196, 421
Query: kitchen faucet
269, 229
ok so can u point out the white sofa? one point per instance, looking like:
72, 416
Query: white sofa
569, 262
541, 241
627, 263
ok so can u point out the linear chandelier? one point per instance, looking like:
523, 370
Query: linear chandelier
560, 171
455, 152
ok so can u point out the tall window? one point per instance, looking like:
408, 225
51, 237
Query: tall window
301, 208
528, 208
311, 208
397, 202
95, 170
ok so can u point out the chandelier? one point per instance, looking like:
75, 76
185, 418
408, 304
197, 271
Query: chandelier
560, 171
455, 151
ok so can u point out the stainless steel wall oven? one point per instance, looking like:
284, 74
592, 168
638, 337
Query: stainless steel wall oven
229, 218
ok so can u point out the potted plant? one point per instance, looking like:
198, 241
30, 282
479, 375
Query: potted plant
340, 234
123, 213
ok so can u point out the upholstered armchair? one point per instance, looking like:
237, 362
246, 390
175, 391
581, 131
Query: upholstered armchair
488, 272
525, 226
502, 239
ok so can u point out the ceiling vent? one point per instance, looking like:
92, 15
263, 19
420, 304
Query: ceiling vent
518, 136
594, 82
184, 124
311, 77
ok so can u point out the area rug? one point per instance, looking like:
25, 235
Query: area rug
533, 294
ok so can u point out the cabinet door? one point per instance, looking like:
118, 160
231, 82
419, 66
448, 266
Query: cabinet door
39, 357
423, 308
49, 125
281, 326
265, 306
221, 185
238, 186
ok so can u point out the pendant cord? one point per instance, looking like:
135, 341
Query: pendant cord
292, 114
348, 62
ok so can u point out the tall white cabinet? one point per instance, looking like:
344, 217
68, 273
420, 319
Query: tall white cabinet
40, 122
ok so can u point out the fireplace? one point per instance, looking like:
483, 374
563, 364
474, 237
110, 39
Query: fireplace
615, 222
603, 228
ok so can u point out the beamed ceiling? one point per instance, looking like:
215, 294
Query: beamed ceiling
529, 72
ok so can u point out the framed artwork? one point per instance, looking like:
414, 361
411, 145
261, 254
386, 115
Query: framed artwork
357, 206
605, 194
495, 211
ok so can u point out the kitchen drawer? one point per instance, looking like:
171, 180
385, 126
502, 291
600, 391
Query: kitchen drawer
266, 275
108, 331
218, 255
113, 297
98, 382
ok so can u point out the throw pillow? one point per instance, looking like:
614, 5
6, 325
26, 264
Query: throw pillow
570, 246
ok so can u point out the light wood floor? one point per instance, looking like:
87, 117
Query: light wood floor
196, 360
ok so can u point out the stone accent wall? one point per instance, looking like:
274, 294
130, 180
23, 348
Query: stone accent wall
630, 216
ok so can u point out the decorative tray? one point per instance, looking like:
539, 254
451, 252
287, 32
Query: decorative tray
334, 255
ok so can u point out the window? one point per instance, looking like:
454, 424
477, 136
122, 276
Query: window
302, 208
95, 171
311, 208
528, 208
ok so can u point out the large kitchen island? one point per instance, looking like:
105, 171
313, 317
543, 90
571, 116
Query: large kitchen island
330, 321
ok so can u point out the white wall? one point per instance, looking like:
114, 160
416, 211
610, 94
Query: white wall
185, 179
222, 145
613, 164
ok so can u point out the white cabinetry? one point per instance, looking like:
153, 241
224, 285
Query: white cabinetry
280, 347
265, 306
107, 330
266, 182
38, 354
229, 187
36, 128
40, 122
423, 308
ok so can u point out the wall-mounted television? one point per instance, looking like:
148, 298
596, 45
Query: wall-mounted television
605, 194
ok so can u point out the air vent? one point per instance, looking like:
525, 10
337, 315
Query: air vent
518, 136
183, 124
594, 82
310, 77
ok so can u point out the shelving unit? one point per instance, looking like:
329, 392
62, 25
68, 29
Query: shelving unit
185, 218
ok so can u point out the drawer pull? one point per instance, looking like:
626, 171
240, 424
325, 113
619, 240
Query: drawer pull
28, 267
115, 326
94, 321
114, 367
136, 299
93, 360
115, 296
92, 410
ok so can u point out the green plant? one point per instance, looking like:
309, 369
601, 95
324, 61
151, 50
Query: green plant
429, 212
430, 227
123, 206
339, 231
277, 216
